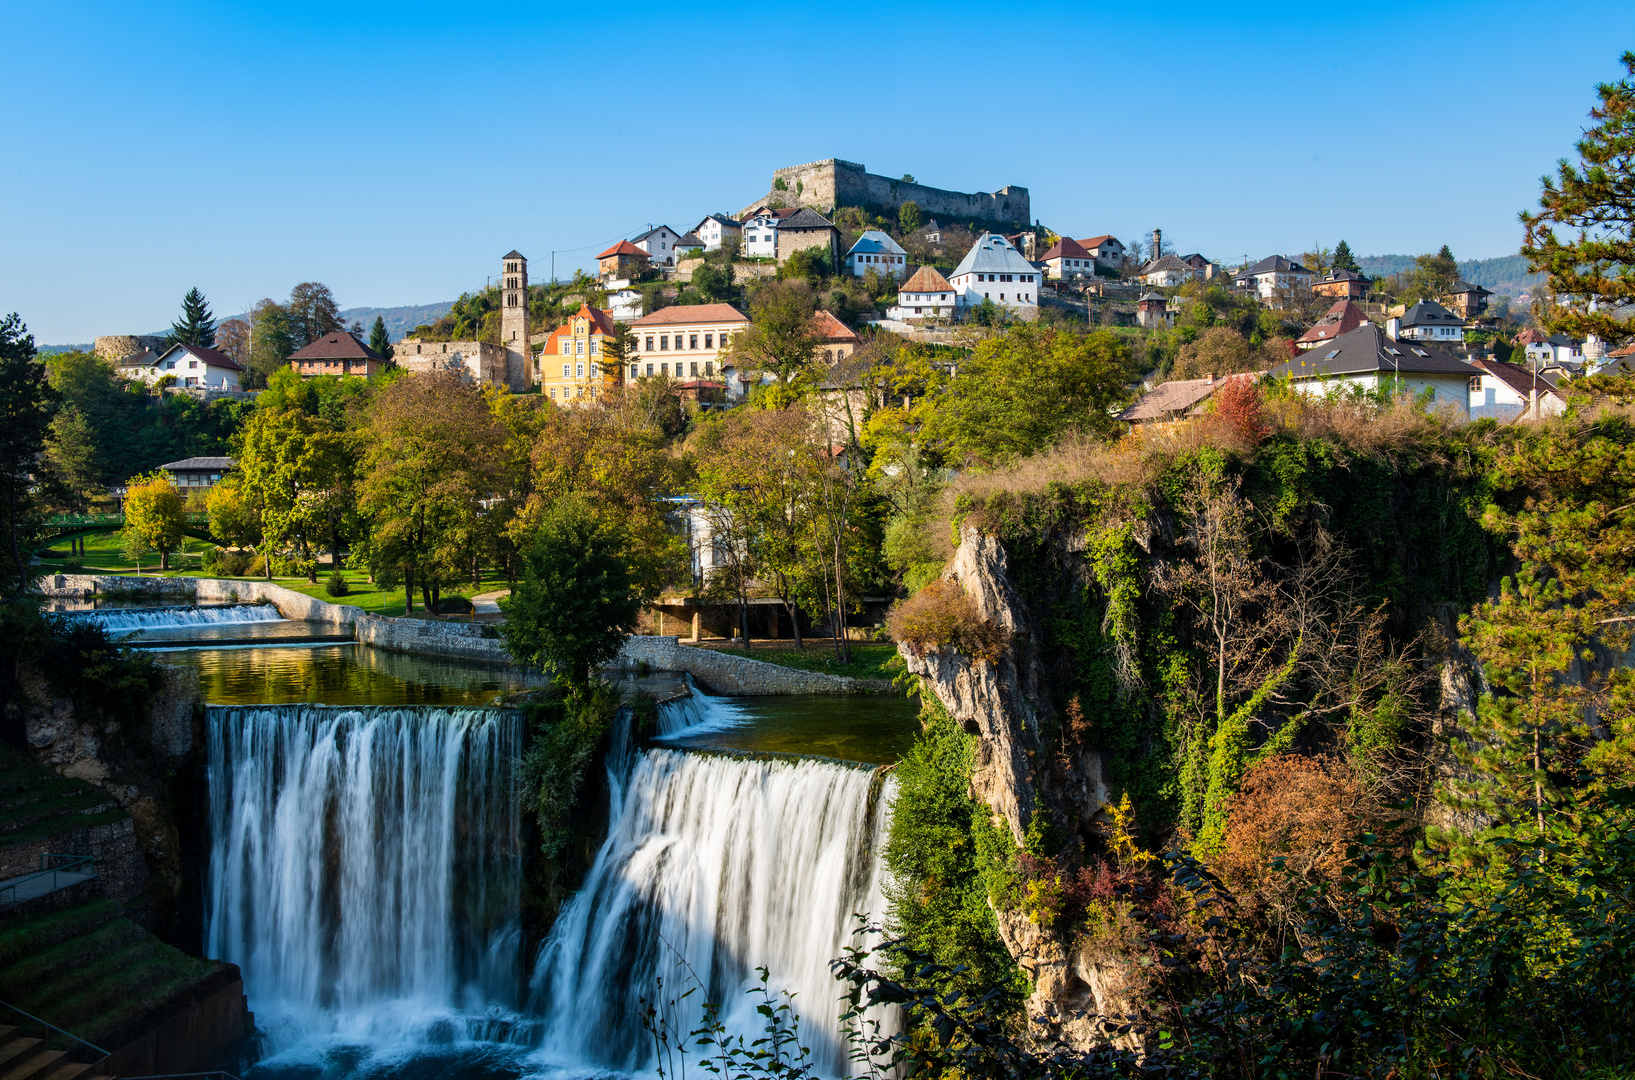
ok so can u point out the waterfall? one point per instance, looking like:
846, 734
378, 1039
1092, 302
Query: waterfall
696, 712
714, 865
365, 866
124, 620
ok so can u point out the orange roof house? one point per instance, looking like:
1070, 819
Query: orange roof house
622, 258
571, 366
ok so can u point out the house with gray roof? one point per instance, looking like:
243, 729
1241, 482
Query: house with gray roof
1368, 359
994, 270
660, 245
1273, 277
715, 228
876, 251
1168, 270
1430, 321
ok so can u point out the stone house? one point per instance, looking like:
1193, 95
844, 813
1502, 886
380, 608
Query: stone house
716, 228
622, 260
570, 365
689, 246
340, 353
877, 251
994, 270
192, 366
805, 229
1467, 300
484, 361
835, 338
1152, 311
1106, 249
925, 295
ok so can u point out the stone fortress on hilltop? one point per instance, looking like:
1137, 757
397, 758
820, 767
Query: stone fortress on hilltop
831, 183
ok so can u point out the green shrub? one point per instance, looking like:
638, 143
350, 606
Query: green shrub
335, 584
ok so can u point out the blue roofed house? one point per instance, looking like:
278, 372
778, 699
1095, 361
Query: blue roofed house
876, 251
994, 270
1367, 358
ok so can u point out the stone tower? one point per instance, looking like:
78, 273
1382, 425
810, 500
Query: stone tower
1157, 242
514, 322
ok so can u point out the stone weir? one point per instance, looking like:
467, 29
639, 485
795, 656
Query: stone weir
716, 672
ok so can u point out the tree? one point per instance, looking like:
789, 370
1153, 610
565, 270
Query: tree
379, 339
235, 518
1343, 259
1592, 276
909, 218
233, 339
782, 340
577, 601
72, 455
26, 398
810, 264
1221, 350
1433, 276
714, 283
155, 515
273, 340
196, 326
312, 313
297, 470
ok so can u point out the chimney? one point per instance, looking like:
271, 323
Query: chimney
1157, 242
1210, 375
1393, 327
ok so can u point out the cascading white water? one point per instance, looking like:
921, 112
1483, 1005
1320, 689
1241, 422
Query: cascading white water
118, 621
714, 865
365, 867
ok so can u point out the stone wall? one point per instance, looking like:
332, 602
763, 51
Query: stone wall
728, 673
423, 637
191, 1030
824, 185
484, 361
115, 347
116, 857
290, 604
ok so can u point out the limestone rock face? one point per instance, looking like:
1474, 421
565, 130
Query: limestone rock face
1007, 705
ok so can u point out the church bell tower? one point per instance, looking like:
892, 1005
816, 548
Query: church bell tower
514, 322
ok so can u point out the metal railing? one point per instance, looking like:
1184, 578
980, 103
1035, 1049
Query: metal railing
83, 1047
70, 867
217, 1075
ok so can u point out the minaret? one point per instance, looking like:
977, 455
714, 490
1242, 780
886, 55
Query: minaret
514, 323
1157, 242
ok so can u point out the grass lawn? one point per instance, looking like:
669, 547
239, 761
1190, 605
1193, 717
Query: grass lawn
869, 658
102, 556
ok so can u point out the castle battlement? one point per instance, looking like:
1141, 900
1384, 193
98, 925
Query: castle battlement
833, 182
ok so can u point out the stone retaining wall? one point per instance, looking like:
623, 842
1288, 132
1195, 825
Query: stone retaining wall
197, 1025
465, 641
728, 673
290, 604
122, 874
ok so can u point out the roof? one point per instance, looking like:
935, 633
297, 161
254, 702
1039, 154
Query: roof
926, 279
1430, 313
1516, 377
804, 218
992, 254
1167, 400
1463, 286
874, 241
1531, 336
138, 359
200, 463
1627, 350
1342, 318
722, 218
654, 229
623, 247
1274, 264
339, 345
847, 373
1160, 297
1097, 241
692, 313
1367, 350
690, 240
829, 328
1342, 275
210, 356
1565, 342
1167, 262
1066, 248
513, 254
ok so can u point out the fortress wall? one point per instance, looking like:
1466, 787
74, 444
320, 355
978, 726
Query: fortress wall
824, 185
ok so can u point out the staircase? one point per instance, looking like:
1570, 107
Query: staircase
23, 1058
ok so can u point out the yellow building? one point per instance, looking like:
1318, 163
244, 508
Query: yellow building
571, 367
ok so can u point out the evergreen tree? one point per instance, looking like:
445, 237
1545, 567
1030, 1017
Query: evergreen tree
25, 417
196, 326
1593, 201
379, 339
1343, 259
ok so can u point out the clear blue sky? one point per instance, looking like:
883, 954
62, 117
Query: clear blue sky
396, 150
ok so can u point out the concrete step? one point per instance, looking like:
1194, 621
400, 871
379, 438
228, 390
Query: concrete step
73, 1070
33, 1066
14, 1049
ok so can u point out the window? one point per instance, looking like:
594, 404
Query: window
565, 370
593, 369
709, 368
664, 369
692, 341
579, 370
567, 348
593, 344
649, 369
709, 341
692, 369
579, 347
553, 391
1475, 384
634, 373
664, 341
649, 342
1332, 354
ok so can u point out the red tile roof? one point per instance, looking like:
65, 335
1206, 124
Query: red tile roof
1518, 378
1531, 336
692, 313
828, 328
213, 357
1342, 318
340, 345
1066, 248
600, 323
1097, 241
623, 247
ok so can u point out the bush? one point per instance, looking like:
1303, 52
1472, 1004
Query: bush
942, 614
455, 605
335, 584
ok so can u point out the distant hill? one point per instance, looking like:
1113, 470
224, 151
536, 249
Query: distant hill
1506, 275
86, 347
399, 320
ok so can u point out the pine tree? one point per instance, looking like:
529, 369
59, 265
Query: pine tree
1596, 201
26, 400
1343, 259
379, 339
196, 326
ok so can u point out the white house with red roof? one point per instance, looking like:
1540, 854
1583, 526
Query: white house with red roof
1067, 259
1342, 317
1105, 249
192, 365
